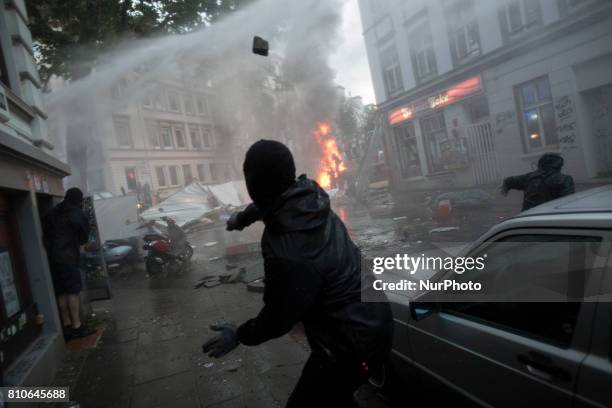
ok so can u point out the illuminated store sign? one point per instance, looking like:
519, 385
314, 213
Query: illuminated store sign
451, 95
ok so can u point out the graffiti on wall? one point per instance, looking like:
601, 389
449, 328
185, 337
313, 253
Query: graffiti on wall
503, 120
566, 123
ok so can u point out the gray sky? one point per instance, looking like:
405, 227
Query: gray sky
351, 61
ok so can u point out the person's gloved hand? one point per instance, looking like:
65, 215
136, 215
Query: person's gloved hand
234, 223
224, 342
503, 190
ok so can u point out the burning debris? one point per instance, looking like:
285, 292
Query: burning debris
331, 163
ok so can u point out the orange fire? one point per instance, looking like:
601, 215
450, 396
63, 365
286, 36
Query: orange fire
331, 163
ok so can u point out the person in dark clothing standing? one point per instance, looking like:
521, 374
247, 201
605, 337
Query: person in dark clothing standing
313, 275
545, 184
65, 229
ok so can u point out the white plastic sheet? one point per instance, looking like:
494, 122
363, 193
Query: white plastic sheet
198, 199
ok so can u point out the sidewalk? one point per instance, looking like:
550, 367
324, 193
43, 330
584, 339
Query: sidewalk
150, 352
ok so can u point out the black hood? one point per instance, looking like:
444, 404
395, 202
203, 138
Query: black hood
550, 162
65, 206
303, 206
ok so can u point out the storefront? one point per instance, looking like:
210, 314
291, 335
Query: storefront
30, 331
431, 136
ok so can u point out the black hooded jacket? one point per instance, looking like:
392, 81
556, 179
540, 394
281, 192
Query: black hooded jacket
65, 229
545, 184
313, 275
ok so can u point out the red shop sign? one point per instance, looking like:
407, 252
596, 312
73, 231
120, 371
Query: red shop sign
447, 97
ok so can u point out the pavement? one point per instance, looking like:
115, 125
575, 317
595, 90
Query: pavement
149, 351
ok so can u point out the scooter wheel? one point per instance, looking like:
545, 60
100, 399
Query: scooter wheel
188, 253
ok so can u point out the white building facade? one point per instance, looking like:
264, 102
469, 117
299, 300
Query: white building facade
474, 91
164, 136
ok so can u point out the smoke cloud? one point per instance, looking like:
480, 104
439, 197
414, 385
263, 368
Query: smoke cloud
301, 90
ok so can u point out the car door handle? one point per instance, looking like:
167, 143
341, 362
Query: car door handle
542, 366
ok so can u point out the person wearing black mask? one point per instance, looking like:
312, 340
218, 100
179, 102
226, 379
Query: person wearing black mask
545, 184
313, 275
65, 229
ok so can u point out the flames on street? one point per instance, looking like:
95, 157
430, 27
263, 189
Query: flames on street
331, 164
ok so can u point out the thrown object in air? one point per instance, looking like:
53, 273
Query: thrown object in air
260, 46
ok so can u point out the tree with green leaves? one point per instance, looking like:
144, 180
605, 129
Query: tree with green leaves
70, 35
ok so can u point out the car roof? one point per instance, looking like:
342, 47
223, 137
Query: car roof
587, 209
592, 200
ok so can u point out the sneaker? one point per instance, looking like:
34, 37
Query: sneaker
67, 332
82, 331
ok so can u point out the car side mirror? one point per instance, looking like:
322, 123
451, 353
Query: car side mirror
423, 306
421, 310
260, 46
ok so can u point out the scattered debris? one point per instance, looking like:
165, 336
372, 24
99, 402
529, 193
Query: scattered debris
209, 365
202, 282
253, 272
210, 244
212, 283
233, 277
256, 286
214, 258
233, 366
443, 229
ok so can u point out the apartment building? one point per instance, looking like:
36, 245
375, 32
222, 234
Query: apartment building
473, 91
138, 131
31, 340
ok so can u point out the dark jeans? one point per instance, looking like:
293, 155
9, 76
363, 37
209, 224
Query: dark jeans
324, 383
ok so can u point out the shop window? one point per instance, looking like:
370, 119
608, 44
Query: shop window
518, 16
196, 140
201, 172
166, 137
187, 175
161, 176
422, 53
392, 72
17, 309
123, 131
405, 144
173, 173
537, 114
179, 135
463, 31
444, 152
131, 179
188, 103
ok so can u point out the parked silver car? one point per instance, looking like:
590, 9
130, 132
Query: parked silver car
509, 354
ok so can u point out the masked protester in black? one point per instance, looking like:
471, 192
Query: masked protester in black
313, 275
545, 184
